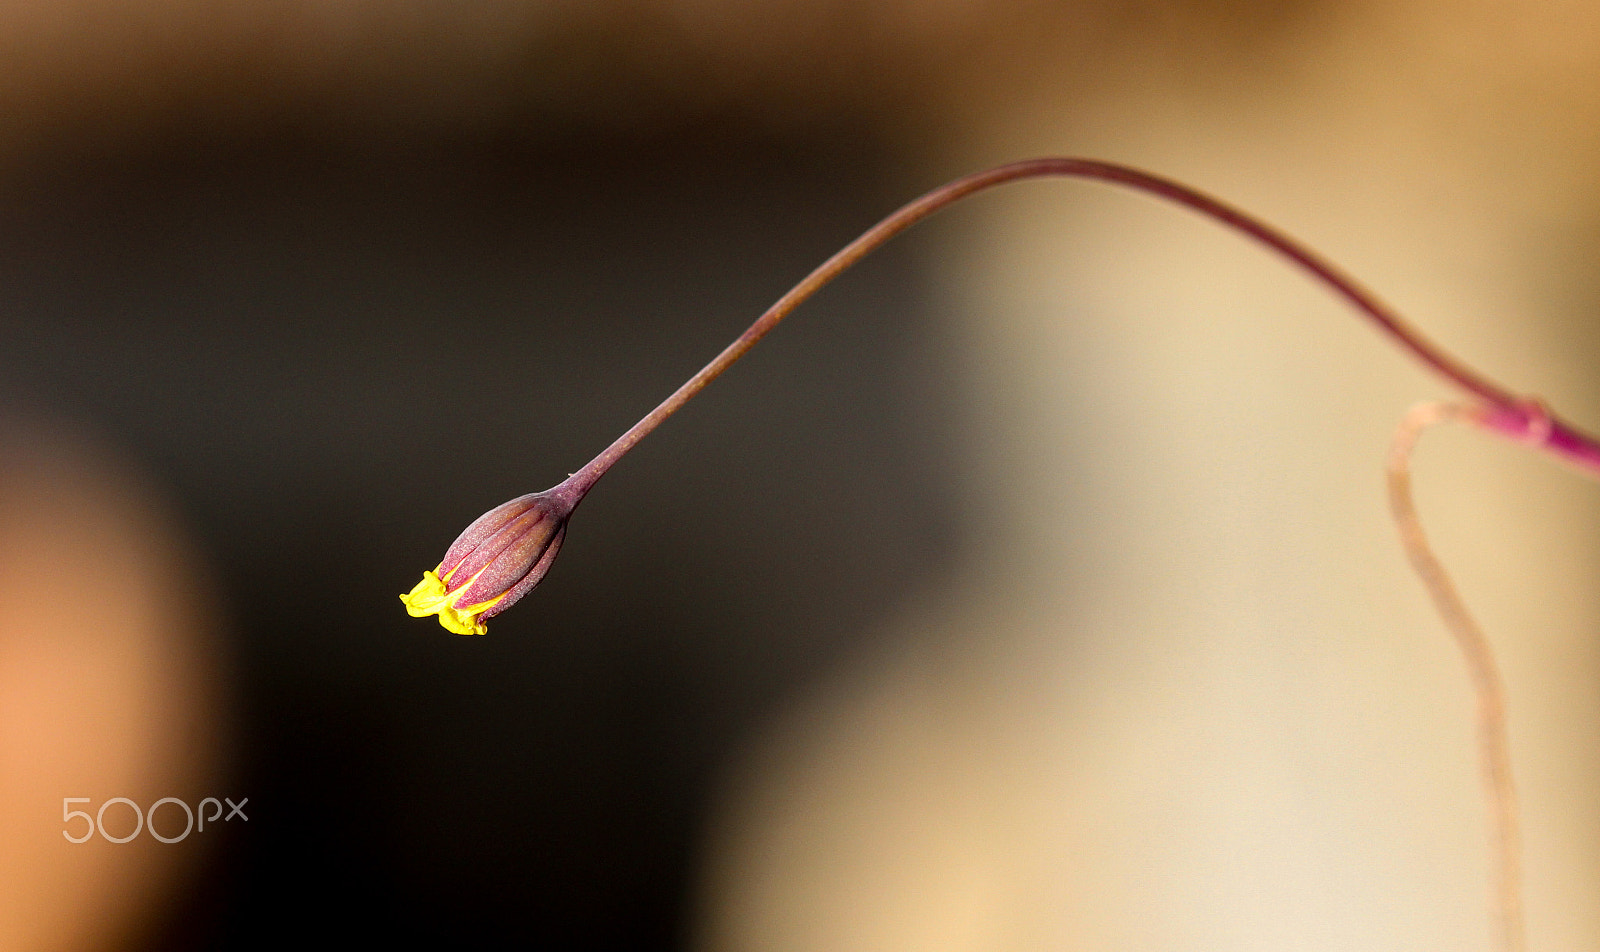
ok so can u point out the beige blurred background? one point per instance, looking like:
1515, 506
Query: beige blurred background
1225, 718
1179, 691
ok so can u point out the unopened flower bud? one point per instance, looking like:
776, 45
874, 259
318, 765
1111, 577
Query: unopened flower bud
497, 560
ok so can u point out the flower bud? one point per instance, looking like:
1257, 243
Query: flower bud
497, 560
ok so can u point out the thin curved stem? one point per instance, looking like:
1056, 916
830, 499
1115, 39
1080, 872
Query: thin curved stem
1511, 416
1502, 412
1494, 744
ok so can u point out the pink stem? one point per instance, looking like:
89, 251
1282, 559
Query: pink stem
1509, 415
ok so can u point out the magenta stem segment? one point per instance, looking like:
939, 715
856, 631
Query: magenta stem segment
1512, 416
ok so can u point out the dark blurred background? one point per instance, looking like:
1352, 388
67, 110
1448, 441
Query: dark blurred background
335, 315
334, 351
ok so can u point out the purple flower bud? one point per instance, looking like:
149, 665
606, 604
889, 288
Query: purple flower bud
497, 560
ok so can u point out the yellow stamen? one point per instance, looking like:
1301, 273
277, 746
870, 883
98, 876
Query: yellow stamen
430, 598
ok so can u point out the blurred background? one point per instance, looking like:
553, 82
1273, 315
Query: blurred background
1031, 589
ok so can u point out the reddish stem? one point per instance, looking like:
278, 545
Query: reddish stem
1524, 420
1508, 414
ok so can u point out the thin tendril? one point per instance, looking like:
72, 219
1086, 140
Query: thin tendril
1493, 743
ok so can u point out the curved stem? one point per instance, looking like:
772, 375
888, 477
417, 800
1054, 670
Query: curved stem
1494, 744
1512, 416
1503, 412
